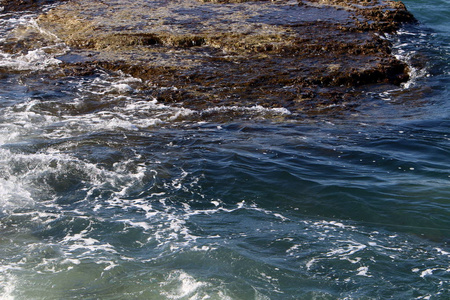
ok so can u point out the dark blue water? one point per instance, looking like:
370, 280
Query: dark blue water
106, 194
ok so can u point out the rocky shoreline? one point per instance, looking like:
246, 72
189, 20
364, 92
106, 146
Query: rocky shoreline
300, 55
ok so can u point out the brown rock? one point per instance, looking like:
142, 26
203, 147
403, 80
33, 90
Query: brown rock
299, 55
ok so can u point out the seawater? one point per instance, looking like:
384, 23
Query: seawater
106, 193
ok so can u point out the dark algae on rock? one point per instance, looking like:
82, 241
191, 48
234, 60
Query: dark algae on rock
301, 55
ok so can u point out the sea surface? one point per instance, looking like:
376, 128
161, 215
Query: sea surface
106, 193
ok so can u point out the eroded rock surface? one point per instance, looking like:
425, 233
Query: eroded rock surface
301, 55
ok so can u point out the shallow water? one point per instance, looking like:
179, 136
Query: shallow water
107, 194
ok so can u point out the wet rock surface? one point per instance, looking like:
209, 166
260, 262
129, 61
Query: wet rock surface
20, 5
301, 55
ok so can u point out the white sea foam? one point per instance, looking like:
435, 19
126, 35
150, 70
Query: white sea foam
405, 52
443, 252
363, 271
310, 263
426, 272
331, 224
181, 285
34, 60
256, 109
7, 286
13, 187
347, 249
122, 88
13, 194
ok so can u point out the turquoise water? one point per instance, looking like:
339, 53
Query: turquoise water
106, 194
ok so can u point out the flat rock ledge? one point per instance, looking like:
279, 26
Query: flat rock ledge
301, 55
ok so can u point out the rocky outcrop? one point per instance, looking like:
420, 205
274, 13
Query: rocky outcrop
301, 55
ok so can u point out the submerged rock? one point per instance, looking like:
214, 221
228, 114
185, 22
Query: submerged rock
301, 55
